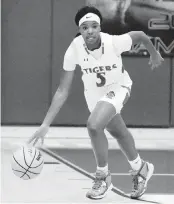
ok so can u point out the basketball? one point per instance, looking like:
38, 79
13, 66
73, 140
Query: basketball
27, 162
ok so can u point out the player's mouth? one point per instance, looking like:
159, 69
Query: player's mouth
90, 38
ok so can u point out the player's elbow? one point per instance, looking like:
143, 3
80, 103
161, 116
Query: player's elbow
142, 35
137, 36
143, 38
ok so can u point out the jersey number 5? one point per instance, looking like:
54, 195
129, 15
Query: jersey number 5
102, 79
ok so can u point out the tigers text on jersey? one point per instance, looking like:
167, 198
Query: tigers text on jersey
102, 66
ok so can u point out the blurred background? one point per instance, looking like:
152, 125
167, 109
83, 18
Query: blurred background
35, 36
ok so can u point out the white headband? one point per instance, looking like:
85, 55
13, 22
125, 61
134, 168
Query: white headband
89, 17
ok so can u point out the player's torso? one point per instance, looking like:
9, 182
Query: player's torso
101, 68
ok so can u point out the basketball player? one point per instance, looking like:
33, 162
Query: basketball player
107, 87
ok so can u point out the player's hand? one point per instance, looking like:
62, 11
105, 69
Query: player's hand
155, 60
39, 135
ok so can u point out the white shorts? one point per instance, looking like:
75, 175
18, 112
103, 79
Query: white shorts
115, 94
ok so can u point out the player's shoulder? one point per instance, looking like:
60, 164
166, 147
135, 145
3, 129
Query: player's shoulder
75, 42
107, 38
106, 35
123, 35
78, 38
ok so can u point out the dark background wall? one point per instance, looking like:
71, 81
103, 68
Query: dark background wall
172, 94
25, 60
35, 36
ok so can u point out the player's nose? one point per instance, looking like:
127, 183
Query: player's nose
90, 30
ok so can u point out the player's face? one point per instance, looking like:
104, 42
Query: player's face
90, 31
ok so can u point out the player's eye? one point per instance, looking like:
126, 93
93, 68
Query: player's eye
94, 26
84, 28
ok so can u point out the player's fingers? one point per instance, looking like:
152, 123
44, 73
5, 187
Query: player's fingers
42, 141
31, 139
36, 140
162, 60
35, 135
159, 63
153, 66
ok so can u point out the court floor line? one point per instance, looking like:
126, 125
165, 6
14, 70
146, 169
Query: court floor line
78, 169
89, 175
51, 163
126, 174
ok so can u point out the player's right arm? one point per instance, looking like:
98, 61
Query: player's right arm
60, 95
58, 100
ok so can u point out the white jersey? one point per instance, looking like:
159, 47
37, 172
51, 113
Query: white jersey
102, 66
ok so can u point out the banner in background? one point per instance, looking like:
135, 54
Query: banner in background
154, 17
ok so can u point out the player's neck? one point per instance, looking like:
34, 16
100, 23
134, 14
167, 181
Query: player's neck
95, 46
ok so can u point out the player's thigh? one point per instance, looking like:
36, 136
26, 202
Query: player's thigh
104, 104
117, 125
101, 115
117, 96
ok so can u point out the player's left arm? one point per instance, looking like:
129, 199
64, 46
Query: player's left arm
140, 37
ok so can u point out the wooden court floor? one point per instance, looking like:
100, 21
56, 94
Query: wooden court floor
68, 174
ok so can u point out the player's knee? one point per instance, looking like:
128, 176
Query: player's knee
94, 126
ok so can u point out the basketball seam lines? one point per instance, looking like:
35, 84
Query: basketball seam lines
30, 163
22, 166
21, 172
25, 159
37, 165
